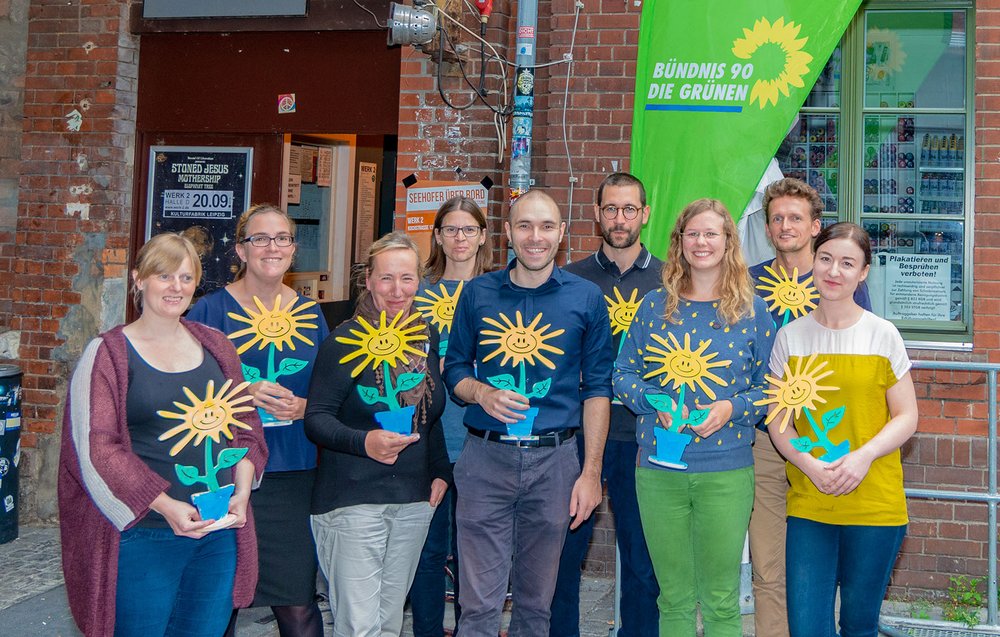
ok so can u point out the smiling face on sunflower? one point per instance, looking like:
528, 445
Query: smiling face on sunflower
795, 391
211, 417
386, 342
622, 311
277, 326
786, 293
520, 343
683, 366
439, 309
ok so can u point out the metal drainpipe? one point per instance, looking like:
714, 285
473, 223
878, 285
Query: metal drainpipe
524, 99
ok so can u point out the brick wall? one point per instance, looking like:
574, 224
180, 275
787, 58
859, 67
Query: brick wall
74, 210
949, 449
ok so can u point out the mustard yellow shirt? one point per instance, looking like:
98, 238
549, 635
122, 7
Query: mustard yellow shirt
866, 359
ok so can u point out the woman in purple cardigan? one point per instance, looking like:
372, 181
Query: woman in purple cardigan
155, 413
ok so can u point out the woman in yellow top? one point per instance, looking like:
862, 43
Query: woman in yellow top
842, 376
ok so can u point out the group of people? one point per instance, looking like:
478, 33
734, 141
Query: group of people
215, 460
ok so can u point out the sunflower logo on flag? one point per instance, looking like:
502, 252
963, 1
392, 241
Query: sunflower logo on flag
774, 47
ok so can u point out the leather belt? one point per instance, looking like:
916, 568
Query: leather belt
551, 439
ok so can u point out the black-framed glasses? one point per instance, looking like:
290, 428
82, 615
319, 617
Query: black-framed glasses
468, 231
263, 240
610, 212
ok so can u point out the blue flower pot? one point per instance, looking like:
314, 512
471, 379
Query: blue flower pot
213, 505
267, 420
523, 428
670, 446
398, 420
837, 452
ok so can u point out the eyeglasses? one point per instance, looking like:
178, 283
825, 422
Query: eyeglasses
610, 212
452, 231
262, 240
694, 234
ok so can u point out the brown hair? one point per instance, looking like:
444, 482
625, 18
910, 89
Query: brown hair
621, 180
397, 240
244, 221
846, 230
437, 260
734, 286
792, 187
163, 254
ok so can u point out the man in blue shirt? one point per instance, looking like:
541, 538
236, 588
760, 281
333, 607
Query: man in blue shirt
625, 271
793, 213
530, 352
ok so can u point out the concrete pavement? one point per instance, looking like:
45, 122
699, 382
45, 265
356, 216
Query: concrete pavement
33, 597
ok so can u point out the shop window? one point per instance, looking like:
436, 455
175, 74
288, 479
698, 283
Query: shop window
894, 155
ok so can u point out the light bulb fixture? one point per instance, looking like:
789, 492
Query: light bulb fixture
410, 25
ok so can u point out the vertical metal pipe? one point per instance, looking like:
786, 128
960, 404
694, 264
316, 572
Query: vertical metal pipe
524, 98
991, 588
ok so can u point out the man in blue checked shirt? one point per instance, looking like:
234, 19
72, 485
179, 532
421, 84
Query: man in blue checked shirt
531, 352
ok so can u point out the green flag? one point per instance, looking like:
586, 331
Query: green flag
718, 83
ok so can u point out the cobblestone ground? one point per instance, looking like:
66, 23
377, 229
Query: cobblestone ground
30, 565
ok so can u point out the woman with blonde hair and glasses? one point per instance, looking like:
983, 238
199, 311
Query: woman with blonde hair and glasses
692, 367
461, 249
277, 333
374, 410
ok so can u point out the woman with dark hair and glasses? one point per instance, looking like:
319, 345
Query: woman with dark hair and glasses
461, 250
841, 379
277, 333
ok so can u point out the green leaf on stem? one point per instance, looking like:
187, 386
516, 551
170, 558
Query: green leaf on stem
229, 457
370, 395
408, 381
250, 373
503, 381
290, 366
188, 475
832, 418
541, 388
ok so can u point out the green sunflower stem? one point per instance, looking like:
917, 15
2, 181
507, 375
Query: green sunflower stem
270, 363
390, 391
821, 436
522, 387
211, 472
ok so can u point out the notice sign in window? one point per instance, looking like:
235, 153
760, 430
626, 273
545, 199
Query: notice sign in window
917, 287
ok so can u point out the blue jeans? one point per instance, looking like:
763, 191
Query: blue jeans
565, 619
428, 588
639, 615
819, 557
170, 585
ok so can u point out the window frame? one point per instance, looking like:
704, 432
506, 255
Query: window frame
955, 335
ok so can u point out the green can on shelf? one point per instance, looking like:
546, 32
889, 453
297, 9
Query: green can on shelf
10, 449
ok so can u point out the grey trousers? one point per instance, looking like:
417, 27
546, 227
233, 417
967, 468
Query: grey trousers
513, 511
369, 553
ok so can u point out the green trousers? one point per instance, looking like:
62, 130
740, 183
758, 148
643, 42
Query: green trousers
695, 525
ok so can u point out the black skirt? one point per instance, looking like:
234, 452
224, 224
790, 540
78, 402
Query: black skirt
286, 552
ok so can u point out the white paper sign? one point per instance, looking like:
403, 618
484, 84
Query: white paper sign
917, 287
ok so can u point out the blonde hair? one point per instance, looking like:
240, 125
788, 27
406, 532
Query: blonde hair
244, 221
163, 254
397, 240
734, 286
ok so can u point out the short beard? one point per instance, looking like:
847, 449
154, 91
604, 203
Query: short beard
627, 242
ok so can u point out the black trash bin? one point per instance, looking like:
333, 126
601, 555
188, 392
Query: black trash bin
10, 449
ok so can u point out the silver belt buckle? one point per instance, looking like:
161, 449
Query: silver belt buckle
518, 439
